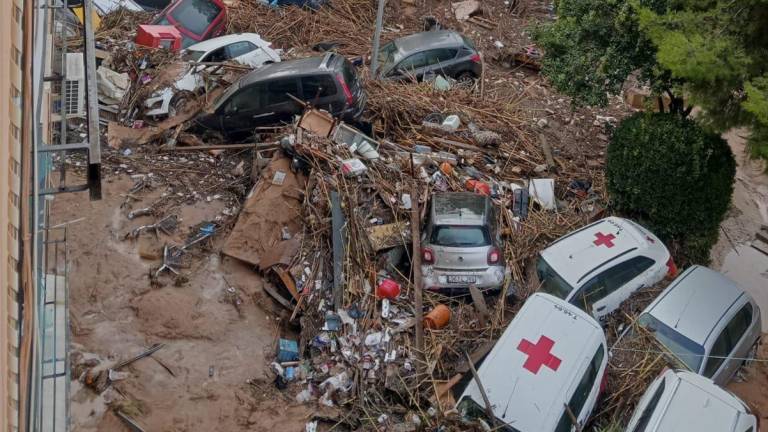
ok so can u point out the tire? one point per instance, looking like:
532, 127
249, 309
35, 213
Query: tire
178, 103
466, 80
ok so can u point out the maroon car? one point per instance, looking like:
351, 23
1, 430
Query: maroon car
197, 20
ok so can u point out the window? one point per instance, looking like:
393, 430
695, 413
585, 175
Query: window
195, 15
247, 98
14, 166
551, 282
71, 97
16, 56
13, 199
15, 131
277, 91
728, 339
440, 55
683, 349
471, 410
415, 61
350, 76
460, 236
16, 96
645, 417
720, 350
13, 231
216, 56
582, 392
607, 282
318, 86
240, 48
13, 265
17, 14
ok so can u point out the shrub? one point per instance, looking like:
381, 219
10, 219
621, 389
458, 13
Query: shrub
674, 177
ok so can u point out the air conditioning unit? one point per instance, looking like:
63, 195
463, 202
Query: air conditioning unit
73, 91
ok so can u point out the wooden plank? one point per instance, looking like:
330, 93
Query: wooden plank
260, 146
476, 356
288, 282
479, 301
275, 295
460, 145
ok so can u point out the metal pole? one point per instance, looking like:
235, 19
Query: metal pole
376, 38
92, 100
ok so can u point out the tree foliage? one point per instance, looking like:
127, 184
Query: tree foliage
674, 176
712, 52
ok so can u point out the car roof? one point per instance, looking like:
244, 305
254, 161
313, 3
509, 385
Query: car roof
218, 42
459, 208
533, 400
696, 302
575, 255
429, 39
297, 67
693, 402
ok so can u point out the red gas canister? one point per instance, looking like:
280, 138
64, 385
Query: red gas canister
388, 289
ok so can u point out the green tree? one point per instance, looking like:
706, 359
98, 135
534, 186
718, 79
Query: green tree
673, 176
712, 52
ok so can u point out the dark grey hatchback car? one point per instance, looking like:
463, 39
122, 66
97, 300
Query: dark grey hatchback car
441, 52
260, 98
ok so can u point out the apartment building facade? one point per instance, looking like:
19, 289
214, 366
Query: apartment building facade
11, 201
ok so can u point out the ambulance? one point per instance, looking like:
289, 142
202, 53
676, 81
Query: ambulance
544, 374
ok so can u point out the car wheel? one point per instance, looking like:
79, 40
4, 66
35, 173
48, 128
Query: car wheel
178, 104
466, 80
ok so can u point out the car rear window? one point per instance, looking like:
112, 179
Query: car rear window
551, 282
460, 236
317, 86
196, 15
684, 349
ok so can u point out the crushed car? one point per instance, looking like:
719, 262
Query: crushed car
246, 48
460, 245
681, 400
421, 55
545, 373
197, 20
273, 94
600, 265
704, 322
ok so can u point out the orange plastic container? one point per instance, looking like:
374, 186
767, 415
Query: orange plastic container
477, 186
438, 317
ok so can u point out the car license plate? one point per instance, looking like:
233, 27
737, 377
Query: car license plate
461, 279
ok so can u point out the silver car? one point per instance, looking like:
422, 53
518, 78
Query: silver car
460, 244
707, 323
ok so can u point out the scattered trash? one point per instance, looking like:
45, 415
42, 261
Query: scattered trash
287, 350
388, 289
542, 191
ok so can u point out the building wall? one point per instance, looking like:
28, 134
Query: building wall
10, 201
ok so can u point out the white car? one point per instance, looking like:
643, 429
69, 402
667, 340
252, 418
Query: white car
599, 266
551, 355
684, 401
706, 321
246, 48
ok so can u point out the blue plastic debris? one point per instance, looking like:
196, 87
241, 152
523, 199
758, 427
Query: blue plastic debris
287, 350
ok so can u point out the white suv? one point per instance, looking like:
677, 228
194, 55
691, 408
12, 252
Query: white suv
599, 266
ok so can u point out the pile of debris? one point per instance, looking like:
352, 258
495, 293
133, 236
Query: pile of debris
332, 221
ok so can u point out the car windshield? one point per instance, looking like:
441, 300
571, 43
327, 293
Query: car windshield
460, 236
192, 55
686, 350
551, 282
225, 95
387, 57
195, 15
470, 410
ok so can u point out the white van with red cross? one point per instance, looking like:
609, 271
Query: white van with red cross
551, 355
600, 265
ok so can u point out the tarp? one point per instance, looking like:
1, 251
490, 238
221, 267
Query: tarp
272, 211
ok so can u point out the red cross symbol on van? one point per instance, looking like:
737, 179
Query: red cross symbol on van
604, 239
539, 354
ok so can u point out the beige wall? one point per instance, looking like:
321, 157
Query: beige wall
10, 199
